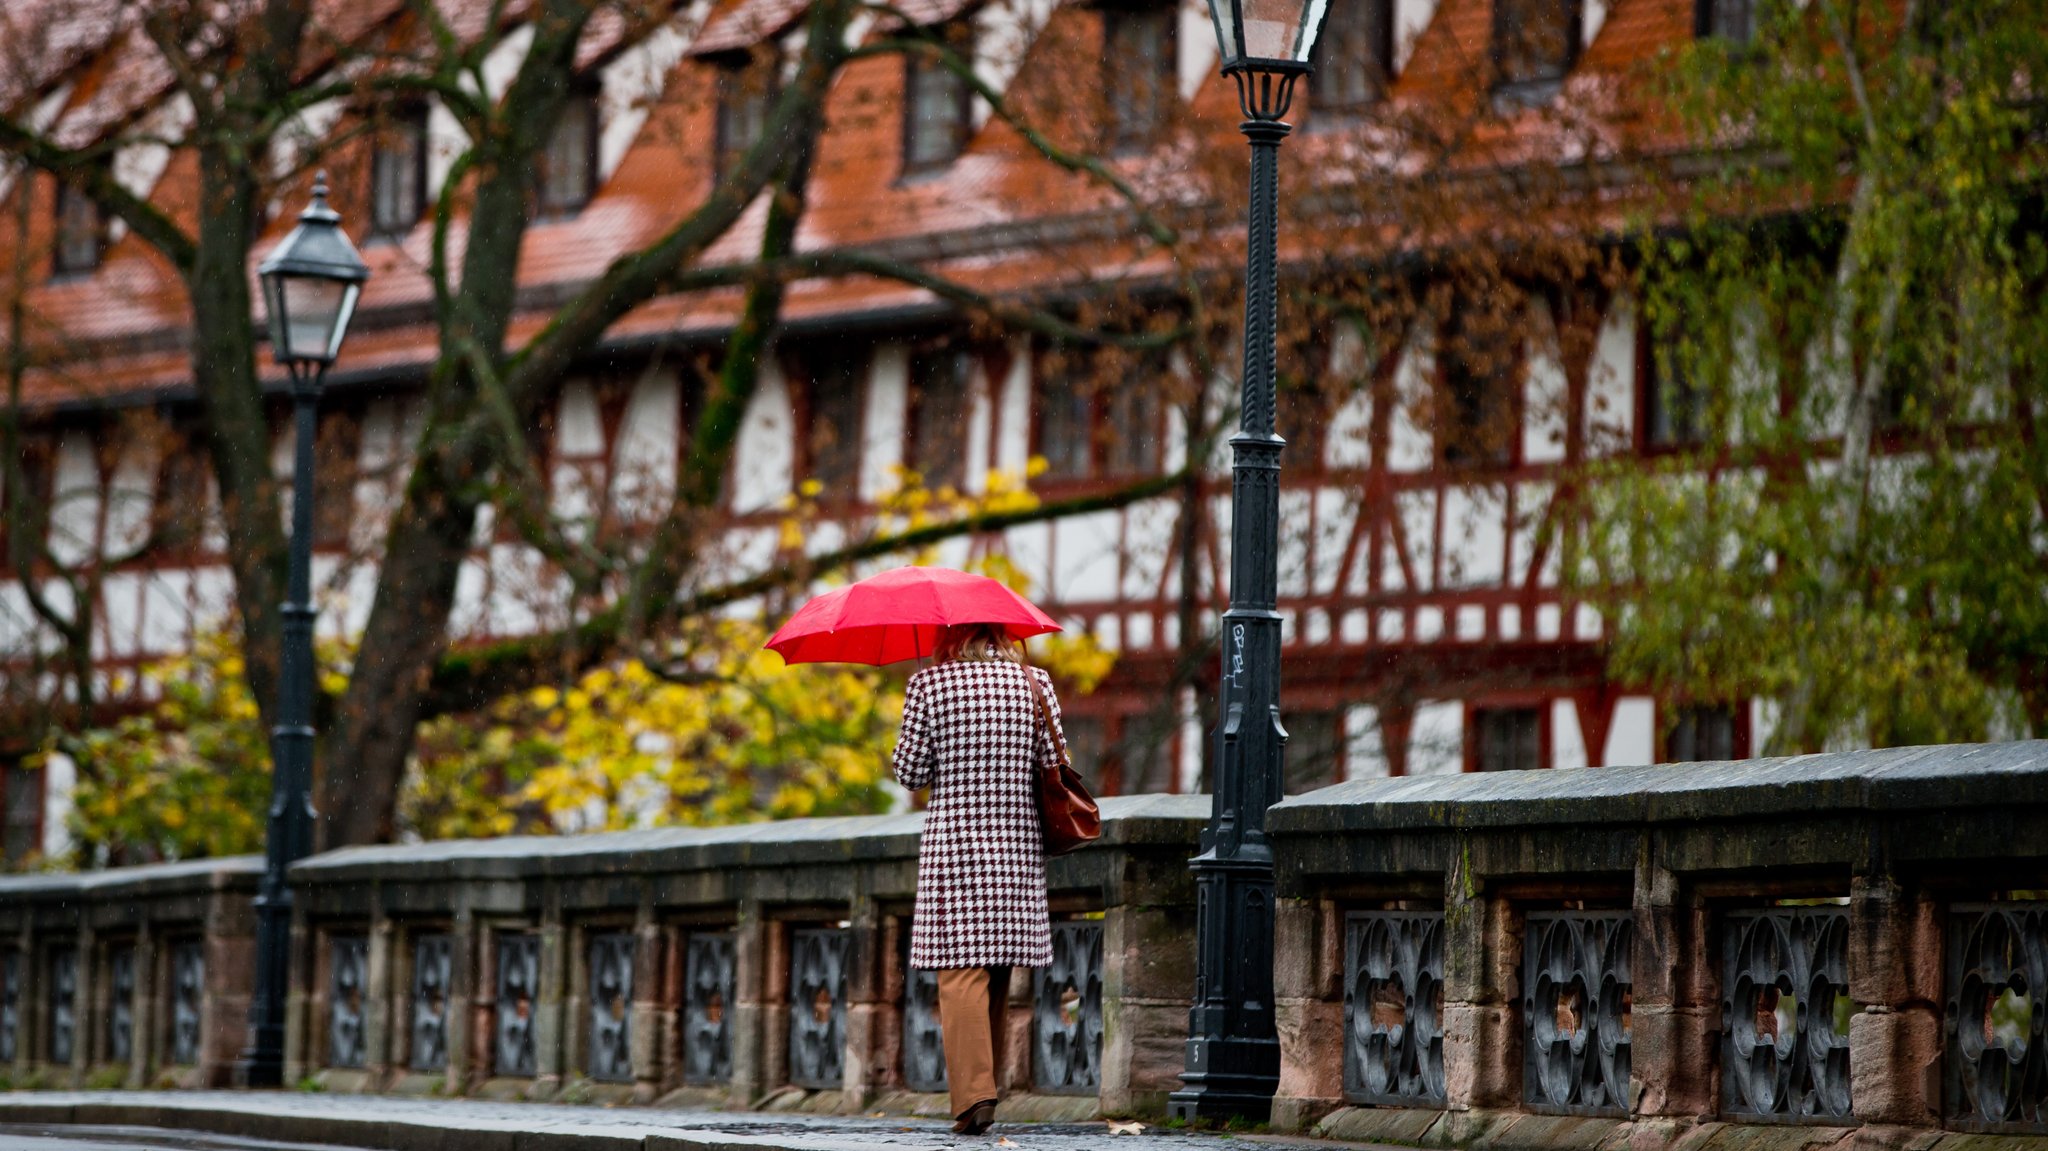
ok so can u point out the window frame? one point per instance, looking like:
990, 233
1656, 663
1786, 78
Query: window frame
915, 443
414, 118
10, 772
1528, 91
732, 71
817, 369
1707, 23
1650, 402
1124, 137
1379, 46
62, 266
1498, 397
584, 97
958, 35
1086, 389
1476, 731
1738, 732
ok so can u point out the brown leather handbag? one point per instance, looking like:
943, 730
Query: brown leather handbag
1067, 814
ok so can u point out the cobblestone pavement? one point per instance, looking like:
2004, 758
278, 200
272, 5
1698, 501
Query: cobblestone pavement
386, 1123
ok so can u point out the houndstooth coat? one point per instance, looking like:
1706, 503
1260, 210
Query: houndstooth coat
973, 734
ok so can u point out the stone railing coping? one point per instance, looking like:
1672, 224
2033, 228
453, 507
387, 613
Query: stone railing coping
145, 879
1893, 779
1128, 821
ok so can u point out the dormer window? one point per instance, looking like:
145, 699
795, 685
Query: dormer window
81, 233
1535, 44
1139, 74
567, 175
1353, 59
398, 174
1730, 20
937, 106
746, 95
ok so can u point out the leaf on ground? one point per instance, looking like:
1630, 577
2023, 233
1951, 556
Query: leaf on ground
1005, 1141
1130, 1128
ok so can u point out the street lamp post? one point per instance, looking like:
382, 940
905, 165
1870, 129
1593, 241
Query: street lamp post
310, 284
1233, 1051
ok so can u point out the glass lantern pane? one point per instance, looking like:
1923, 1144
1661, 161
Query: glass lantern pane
1224, 13
1311, 27
311, 309
1271, 28
273, 307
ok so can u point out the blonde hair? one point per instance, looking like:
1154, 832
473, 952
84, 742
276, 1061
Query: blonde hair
976, 641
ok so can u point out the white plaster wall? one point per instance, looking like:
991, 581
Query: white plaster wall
764, 457
981, 417
1545, 417
1365, 756
1763, 724
1631, 733
1013, 419
1532, 503
1754, 375
1294, 541
60, 779
1475, 540
39, 118
1029, 547
632, 82
888, 404
1567, 738
1436, 738
1611, 383
167, 611
1085, 552
139, 164
1197, 47
75, 501
1336, 515
1149, 529
1003, 33
1417, 510
647, 454
131, 494
121, 611
1410, 447
1592, 17
1411, 18
579, 437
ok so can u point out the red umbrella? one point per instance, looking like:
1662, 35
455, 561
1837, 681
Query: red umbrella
897, 615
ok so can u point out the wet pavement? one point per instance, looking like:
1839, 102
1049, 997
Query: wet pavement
282, 1121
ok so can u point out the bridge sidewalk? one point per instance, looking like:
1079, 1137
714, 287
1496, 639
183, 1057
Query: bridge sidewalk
385, 1123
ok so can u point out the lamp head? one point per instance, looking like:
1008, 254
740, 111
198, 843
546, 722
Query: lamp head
310, 284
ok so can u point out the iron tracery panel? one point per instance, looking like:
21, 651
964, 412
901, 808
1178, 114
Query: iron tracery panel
817, 1007
1785, 1012
63, 1005
188, 991
10, 1006
121, 1004
1997, 1025
1393, 1007
707, 1007
610, 1053
518, 988
347, 990
432, 969
924, 1043
1576, 990
1066, 1002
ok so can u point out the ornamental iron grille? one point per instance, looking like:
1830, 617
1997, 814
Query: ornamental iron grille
10, 1006
1393, 1007
1575, 1012
63, 1005
121, 1004
611, 1008
188, 990
924, 1043
518, 987
347, 988
432, 965
1067, 1004
707, 1007
1997, 1026
817, 1007
1785, 1011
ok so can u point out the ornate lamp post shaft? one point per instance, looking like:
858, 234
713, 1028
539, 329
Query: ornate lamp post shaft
310, 284
1233, 1051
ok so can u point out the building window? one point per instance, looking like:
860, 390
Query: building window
1508, 738
937, 106
1139, 74
939, 383
1315, 750
184, 498
568, 165
1701, 733
81, 233
1730, 20
1066, 427
833, 419
1535, 43
1475, 419
746, 95
1131, 439
1353, 58
21, 813
1674, 404
1097, 422
398, 174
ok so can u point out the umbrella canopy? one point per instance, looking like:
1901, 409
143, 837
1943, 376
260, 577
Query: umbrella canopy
897, 616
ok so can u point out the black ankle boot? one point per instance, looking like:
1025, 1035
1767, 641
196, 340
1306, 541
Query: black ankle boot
976, 1119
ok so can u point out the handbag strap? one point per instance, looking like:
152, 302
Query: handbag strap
1052, 730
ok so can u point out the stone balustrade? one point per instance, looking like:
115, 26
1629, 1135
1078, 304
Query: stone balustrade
1854, 940
1834, 947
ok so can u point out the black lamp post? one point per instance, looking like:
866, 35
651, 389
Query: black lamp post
1233, 1052
310, 285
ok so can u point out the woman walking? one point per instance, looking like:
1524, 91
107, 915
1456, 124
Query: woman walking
977, 728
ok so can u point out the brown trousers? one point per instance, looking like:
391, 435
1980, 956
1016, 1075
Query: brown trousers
973, 1003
